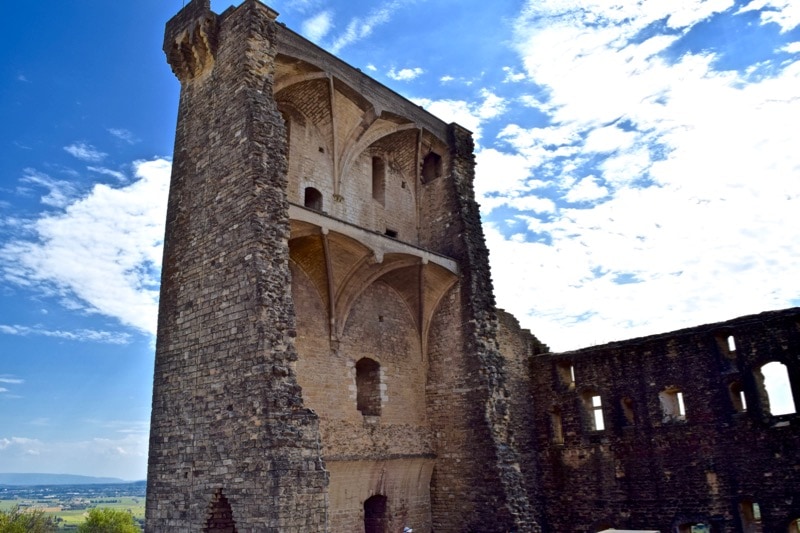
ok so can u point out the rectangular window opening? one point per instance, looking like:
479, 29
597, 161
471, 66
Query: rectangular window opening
731, 343
597, 411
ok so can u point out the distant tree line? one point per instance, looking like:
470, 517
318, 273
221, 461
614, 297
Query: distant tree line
100, 520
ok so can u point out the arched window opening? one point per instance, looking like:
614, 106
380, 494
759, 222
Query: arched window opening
431, 167
750, 515
375, 519
776, 389
737, 397
672, 405
379, 180
368, 387
627, 410
556, 426
727, 345
220, 515
594, 411
566, 371
313, 199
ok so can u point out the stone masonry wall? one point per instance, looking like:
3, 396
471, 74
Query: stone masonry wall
477, 484
720, 463
517, 347
228, 419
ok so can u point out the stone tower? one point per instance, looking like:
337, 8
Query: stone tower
327, 354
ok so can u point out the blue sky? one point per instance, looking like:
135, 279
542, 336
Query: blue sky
638, 172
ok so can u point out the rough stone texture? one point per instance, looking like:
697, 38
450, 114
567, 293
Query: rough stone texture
227, 410
329, 353
320, 225
649, 471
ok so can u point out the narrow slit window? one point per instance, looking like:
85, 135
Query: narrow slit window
368, 387
556, 426
627, 410
593, 405
597, 413
737, 397
750, 515
731, 344
379, 180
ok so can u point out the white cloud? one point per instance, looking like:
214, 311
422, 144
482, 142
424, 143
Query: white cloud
372, 68
60, 192
11, 380
406, 74
792, 48
586, 190
317, 26
81, 335
513, 76
785, 13
85, 152
123, 135
467, 114
120, 176
698, 220
103, 251
446, 79
359, 28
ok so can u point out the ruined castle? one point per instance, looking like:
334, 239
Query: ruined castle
330, 357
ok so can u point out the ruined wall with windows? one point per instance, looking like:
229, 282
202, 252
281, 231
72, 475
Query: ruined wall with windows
672, 432
330, 357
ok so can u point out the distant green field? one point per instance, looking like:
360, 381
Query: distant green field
75, 517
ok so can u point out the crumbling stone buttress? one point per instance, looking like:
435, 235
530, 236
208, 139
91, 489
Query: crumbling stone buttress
232, 447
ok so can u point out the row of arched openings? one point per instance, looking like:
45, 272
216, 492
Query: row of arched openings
220, 515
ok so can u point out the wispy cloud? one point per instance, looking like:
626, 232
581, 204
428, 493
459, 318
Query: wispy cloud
318, 26
102, 251
123, 135
81, 335
60, 192
360, 28
120, 176
406, 74
468, 114
643, 202
785, 13
11, 380
85, 152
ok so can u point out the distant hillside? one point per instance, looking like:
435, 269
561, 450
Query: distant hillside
55, 479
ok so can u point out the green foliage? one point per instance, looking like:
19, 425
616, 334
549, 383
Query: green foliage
17, 520
105, 520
